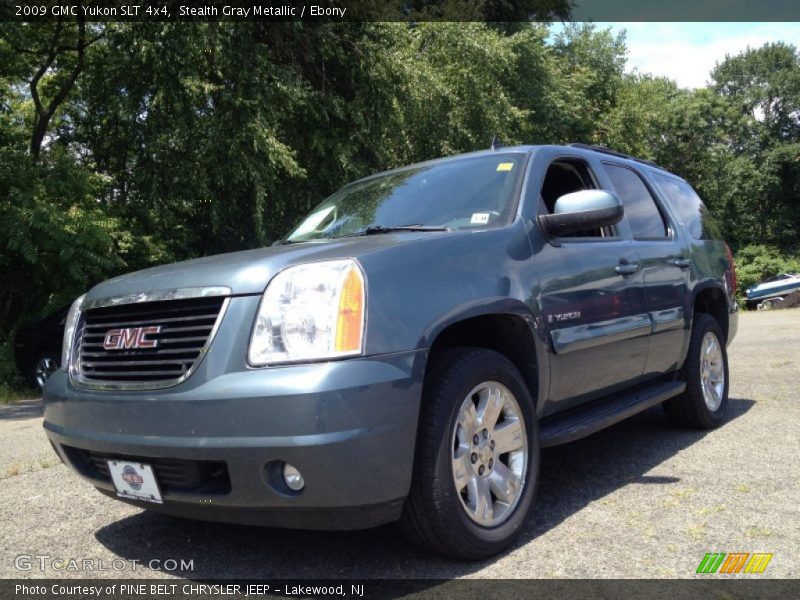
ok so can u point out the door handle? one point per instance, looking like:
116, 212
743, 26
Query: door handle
626, 268
681, 263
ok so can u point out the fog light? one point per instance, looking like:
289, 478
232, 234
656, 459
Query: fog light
293, 479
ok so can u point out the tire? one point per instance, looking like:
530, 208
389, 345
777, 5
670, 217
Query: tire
45, 365
702, 407
461, 523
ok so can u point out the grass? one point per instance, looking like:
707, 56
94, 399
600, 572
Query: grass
780, 364
697, 532
759, 532
671, 503
684, 493
10, 394
710, 510
25, 466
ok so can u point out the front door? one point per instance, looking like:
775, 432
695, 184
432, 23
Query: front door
591, 295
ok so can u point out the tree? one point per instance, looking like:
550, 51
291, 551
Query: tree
763, 84
124, 145
53, 58
589, 63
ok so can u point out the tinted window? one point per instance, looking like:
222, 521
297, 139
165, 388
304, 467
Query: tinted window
640, 209
690, 209
475, 192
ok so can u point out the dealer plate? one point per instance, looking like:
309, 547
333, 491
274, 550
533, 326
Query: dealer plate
135, 481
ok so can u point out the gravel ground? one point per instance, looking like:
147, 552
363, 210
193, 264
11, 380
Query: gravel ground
637, 500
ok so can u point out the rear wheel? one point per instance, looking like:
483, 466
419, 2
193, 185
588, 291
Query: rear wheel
477, 458
704, 403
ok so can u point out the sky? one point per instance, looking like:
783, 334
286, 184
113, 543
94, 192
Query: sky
687, 52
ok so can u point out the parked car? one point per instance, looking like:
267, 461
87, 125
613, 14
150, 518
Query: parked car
772, 290
37, 348
406, 351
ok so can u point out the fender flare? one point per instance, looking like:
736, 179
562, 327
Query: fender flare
479, 308
500, 306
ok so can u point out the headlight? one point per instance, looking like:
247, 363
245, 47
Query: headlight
69, 332
310, 312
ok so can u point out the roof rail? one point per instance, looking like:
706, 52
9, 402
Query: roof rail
609, 151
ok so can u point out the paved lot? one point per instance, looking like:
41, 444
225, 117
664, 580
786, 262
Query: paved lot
637, 500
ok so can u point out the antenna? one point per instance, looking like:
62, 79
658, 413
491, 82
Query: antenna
497, 142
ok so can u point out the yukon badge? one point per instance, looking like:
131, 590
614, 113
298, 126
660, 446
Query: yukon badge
567, 316
130, 338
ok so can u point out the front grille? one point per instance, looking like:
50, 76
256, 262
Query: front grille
172, 474
184, 331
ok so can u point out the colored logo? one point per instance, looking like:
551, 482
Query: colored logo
132, 478
131, 337
735, 562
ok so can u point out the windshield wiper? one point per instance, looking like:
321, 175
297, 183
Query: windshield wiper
376, 229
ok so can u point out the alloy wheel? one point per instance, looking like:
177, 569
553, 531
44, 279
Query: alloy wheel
44, 368
490, 453
712, 371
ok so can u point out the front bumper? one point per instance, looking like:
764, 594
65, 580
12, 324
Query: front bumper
349, 427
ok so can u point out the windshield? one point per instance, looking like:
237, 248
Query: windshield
475, 192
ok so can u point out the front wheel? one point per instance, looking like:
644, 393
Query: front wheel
477, 458
704, 403
46, 364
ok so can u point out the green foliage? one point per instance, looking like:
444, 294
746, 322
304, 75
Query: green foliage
764, 83
590, 65
175, 140
57, 241
641, 115
12, 386
9, 378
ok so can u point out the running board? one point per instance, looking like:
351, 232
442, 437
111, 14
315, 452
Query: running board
599, 414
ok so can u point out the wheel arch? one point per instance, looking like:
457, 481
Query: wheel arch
505, 326
710, 298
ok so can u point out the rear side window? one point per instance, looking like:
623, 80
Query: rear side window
641, 210
689, 207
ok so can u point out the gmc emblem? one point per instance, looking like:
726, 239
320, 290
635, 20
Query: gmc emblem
130, 338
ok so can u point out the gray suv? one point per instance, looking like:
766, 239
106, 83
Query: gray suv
406, 351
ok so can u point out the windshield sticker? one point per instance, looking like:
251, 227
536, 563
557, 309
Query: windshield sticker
479, 219
505, 166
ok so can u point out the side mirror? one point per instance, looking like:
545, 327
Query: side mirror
584, 210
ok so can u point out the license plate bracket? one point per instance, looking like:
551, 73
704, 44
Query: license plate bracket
135, 481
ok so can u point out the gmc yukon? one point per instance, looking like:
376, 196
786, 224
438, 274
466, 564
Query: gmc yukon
406, 351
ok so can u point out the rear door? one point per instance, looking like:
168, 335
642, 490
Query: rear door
665, 261
590, 291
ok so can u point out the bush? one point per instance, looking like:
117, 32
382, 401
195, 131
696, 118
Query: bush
756, 263
9, 376
12, 386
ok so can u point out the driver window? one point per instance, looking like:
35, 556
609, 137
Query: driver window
565, 176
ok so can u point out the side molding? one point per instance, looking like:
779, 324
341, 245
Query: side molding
580, 337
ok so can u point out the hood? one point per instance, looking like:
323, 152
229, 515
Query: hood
246, 272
